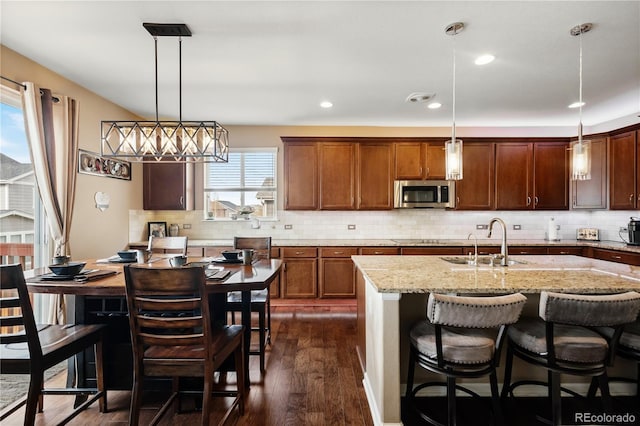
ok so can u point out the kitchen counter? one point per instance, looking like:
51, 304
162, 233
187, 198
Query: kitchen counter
410, 242
424, 274
392, 295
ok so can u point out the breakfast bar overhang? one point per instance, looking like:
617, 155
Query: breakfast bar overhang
392, 294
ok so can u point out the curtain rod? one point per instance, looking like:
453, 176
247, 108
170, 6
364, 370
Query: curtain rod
13, 81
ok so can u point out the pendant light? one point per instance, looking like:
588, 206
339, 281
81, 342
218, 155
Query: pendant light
453, 147
178, 141
580, 149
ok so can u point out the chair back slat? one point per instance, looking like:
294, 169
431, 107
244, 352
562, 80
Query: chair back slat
9, 302
167, 307
168, 244
17, 323
260, 245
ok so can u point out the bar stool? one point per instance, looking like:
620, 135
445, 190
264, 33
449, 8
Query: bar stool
461, 338
560, 341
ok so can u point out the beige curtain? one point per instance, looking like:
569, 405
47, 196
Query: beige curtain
51, 123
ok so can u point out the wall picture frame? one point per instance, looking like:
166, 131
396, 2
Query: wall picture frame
157, 229
91, 163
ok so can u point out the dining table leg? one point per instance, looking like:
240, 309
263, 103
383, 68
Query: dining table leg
246, 322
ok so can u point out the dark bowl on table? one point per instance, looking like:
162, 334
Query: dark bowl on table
68, 269
128, 254
230, 255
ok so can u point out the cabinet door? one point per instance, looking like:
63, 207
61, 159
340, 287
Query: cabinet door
514, 180
337, 176
435, 161
622, 180
551, 176
337, 278
409, 159
164, 186
476, 190
375, 178
301, 176
592, 193
299, 278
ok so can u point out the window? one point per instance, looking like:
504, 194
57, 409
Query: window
21, 214
242, 188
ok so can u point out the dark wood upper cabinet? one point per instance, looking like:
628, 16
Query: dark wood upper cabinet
551, 176
337, 163
623, 178
592, 193
419, 160
532, 176
476, 189
514, 176
301, 176
375, 176
167, 186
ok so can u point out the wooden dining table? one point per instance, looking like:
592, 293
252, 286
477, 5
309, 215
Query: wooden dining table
104, 278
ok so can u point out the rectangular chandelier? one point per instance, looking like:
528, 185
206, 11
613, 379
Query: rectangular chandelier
151, 141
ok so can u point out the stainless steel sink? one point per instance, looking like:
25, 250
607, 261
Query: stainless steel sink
483, 260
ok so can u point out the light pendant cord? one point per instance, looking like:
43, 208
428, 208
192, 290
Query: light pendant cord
155, 40
580, 93
180, 74
453, 106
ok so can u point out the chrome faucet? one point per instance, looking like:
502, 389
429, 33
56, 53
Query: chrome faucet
504, 255
475, 245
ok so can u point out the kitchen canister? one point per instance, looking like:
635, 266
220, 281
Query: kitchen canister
173, 230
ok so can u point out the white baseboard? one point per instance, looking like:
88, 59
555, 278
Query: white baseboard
373, 407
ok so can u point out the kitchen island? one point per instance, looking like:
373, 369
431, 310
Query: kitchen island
392, 294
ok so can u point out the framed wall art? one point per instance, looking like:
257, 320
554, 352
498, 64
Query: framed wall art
91, 163
157, 229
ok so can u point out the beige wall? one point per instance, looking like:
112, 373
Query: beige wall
93, 233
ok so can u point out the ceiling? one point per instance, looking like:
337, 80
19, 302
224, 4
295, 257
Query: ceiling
272, 63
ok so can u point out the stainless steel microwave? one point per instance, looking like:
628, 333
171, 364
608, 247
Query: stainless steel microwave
424, 194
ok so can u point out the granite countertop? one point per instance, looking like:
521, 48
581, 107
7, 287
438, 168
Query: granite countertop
418, 242
569, 274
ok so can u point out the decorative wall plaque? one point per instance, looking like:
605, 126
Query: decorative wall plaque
91, 163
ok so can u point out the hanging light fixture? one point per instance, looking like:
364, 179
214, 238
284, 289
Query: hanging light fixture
179, 141
453, 147
580, 149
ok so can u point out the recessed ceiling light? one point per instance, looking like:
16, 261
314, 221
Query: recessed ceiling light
326, 104
420, 97
576, 105
484, 59
434, 105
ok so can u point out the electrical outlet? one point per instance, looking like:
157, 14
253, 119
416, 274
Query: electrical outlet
186, 226
288, 227
517, 227
351, 227
479, 226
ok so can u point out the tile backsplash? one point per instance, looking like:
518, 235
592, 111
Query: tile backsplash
396, 224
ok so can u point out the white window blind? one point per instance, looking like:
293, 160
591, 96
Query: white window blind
247, 183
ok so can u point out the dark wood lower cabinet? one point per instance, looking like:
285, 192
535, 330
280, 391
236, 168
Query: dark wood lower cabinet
336, 273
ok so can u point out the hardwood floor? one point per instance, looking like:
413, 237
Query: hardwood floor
312, 377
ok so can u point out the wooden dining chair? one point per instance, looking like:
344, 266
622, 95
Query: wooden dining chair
260, 299
30, 348
168, 244
172, 336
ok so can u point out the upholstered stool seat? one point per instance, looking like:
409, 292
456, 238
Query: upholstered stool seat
462, 346
563, 341
461, 337
574, 344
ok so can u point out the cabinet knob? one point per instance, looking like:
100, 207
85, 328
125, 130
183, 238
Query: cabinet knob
377, 252
338, 252
630, 198
528, 201
299, 253
616, 257
536, 201
182, 200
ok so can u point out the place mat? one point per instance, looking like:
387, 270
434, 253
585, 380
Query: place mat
91, 275
223, 260
115, 259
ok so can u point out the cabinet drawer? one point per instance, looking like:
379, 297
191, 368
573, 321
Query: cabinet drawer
431, 250
617, 256
483, 250
288, 252
338, 251
577, 251
527, 250
367, 251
